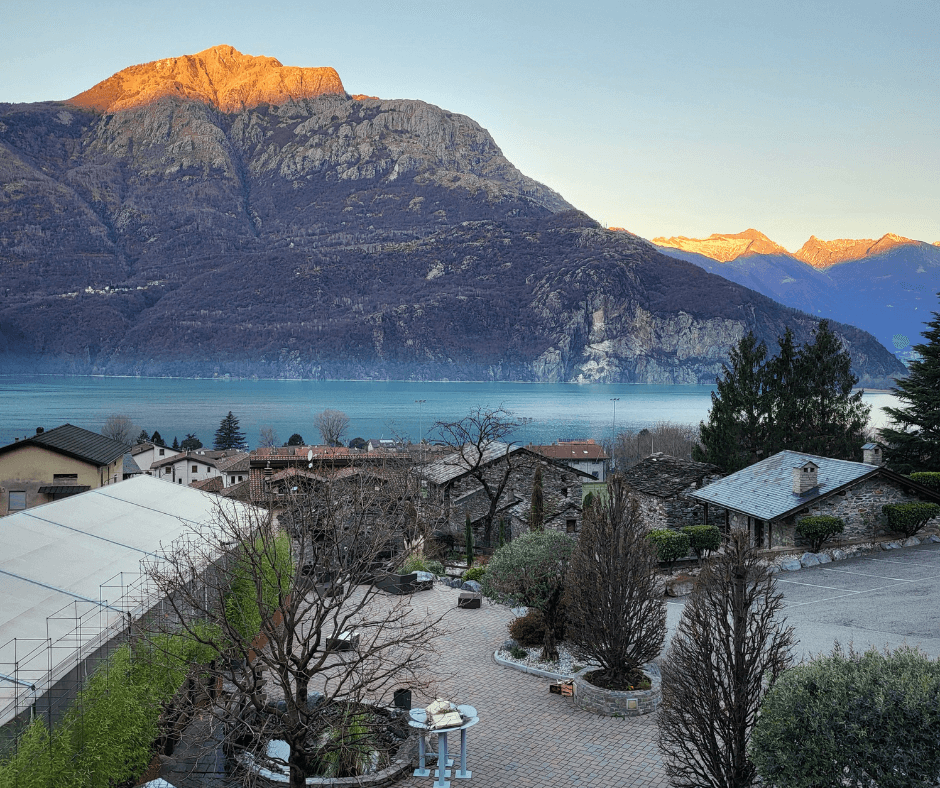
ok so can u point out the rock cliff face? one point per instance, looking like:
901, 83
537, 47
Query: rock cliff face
724, 247
822, 254
221, 76
181, 231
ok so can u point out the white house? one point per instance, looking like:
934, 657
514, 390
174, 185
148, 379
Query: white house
146, 454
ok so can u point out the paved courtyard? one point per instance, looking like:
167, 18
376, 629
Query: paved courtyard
530, 738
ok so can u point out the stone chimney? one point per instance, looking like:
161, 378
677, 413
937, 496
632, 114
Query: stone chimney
871, 454
804, 477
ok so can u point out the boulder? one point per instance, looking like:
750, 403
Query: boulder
472, 585
824, 558
890, 546
509, 645
911, 541
790, 565
680, 586
809, 559
933, 538
838, 555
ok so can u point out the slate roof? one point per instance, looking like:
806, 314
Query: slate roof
75, 442
663, 475
130, 465
453, 466
765, 490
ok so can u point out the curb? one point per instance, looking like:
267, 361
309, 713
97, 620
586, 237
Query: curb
828, 557
545, 674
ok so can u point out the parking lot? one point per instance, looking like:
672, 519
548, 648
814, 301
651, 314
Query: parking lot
887, 598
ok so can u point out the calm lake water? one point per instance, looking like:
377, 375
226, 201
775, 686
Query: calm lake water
176, 406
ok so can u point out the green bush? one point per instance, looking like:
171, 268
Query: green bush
670, 545
435, 568
817, 530
909, 518
851, 719
518, 653
929, 479
414, 563
703, 539
265, 570
474, 573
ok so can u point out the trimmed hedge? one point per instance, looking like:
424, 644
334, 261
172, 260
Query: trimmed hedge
819, 529
929, 479
670, 545
273, 581
909, 518
851, 719
703, 539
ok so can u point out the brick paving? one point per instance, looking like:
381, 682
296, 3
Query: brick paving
526, 737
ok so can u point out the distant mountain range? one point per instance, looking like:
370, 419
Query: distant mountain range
223, 214
886, 286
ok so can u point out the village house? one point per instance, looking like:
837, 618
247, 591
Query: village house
662, 486
197, 466
450, 487
147, 453
769, 498
55, 464
580, 453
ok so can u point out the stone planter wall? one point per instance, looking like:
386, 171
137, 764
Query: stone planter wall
609, 703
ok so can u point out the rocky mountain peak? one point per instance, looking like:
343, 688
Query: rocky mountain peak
725, 247
822, 254
220, 76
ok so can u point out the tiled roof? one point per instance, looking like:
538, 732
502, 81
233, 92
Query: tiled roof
664, 475
213, 485
185, 457
76, 442
572, 451
765, 490
237, 463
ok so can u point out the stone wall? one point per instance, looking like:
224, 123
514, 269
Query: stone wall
609, 702
677, 511
561, 493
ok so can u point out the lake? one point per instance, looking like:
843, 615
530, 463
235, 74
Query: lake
176, 406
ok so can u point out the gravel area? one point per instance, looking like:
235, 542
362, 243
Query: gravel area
568, 662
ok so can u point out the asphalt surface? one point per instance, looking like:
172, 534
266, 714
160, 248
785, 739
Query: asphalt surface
885, 599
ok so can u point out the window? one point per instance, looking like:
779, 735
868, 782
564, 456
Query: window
17, 500
241, 478
65, 478
168, 470
571, 526
195, 468
179, 481
162, 452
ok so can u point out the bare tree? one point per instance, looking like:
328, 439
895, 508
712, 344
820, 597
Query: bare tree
332, 425
473, 438
275, 605
267, 437
728, 650
616, 612
667, 437
119, 427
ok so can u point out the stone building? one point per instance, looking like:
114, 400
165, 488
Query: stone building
580, 453
663, 484
770, 497
452, 486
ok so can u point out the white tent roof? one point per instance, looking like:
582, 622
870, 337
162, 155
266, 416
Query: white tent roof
67, 561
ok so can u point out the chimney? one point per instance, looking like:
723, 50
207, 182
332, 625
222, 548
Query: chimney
804, 477
871, 454
39, 430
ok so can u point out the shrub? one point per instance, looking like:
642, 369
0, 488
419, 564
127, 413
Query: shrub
474, 573
852, 719
529, 630
817, 530
670, 545
929, 479
703, 539
414, 563
435, 567
265, 570
518, 653
909, 518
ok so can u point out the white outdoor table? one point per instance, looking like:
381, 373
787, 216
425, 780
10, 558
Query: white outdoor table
418, 719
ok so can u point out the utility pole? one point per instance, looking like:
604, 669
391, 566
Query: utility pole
613, 443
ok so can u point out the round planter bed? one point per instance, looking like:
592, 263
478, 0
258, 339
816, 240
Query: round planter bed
609, 703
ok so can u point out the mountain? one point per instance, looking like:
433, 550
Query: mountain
887, 286
724, 247
204, 216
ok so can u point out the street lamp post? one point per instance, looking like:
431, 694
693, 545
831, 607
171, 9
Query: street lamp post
613, 443
419, 403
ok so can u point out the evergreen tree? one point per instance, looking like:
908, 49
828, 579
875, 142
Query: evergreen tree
785, 394
912, 444
176, 443
190, 442
228, 436
295, 440
143, 437
537, 512
156, 439
734, 436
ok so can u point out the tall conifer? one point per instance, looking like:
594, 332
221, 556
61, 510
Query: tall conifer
228, 436
913, 443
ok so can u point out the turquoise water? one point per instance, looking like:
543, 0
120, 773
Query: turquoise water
176, 406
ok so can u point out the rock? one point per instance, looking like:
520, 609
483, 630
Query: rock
911, 541
890, 546
791, 565
509, 645
933, 538
838, 555
472, 585
809, 559
681, 586
773, 569
823, 558
425, 577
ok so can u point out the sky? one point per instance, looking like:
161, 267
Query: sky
665, 117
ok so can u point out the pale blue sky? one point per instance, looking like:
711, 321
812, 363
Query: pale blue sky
667, 118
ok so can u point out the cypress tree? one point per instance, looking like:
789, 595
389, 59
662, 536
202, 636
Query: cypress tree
537, 512
176, 443
912, 444
228, 436
468, 537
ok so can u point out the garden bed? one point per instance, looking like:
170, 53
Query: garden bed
618, 703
